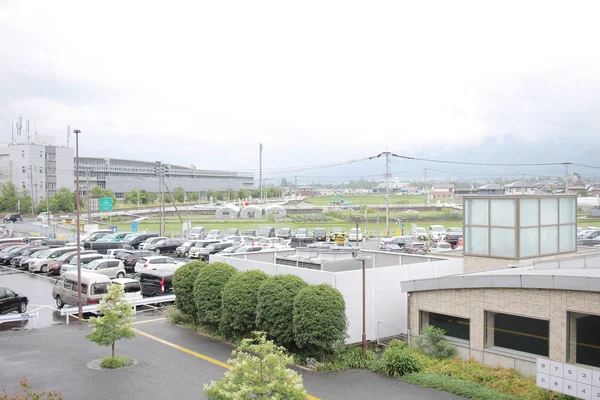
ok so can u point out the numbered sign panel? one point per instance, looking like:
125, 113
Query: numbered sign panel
579, 382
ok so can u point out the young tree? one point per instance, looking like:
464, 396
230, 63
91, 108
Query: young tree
9, 197
116, 320
258, 371
178, 194
193, 196
97, 192
242, 193
65, 200
133, 196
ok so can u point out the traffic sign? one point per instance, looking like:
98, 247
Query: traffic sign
106, 203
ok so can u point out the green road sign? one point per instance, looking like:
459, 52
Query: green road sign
106, 203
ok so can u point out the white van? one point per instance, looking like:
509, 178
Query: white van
93, 288
132, 287
45, 217
353, 236
197, 233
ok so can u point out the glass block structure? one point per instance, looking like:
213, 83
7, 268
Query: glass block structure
517, 227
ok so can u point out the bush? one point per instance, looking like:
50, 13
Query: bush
116, 362
239, 300
207, 291
401, 344
432, 342
275, 310
175, 316
446, 383
183, 286
397, 362
352, 357
28, 393
319, 319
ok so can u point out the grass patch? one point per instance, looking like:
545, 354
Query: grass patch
449, 384
116, 362
369, 199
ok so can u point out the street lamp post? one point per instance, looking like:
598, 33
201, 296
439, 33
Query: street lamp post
79, 305
364, 317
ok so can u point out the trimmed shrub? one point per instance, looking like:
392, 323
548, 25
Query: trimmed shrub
183, 286
207, 291
432, 342
352, 357
275, 310
446, 383
396, 362
238, 302
319, 319
116, 362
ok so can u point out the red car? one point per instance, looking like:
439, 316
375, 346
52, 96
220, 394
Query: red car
54, 266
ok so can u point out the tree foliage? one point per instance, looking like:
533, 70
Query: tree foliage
239, 300
116, 320
275, 309
178, 194
259, 371
208, 287
183, 286
97, 192
319, 319
433, 342
9, 198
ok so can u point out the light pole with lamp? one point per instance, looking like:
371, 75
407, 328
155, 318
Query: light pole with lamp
77, 207
364, 317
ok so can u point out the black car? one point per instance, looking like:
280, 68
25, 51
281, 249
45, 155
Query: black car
13, 217
131, 257
9, 252
320, 234
250, 232
155, 282
11, 301
267, 231
165, 246
134, 242
21, 260
212, 249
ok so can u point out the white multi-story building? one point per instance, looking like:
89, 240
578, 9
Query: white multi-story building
37, 165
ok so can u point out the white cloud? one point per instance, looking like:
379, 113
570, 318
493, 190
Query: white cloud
205, 82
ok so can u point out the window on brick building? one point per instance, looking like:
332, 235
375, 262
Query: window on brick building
455, 327
584, 340
513, 332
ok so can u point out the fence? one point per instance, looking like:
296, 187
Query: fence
30, 316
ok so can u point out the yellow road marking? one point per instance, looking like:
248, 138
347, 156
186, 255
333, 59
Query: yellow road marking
192, 352
148, 320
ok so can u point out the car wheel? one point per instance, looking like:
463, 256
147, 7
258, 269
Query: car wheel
59, 302
22, 307
157, 251
44, 269
186, 254
120, 275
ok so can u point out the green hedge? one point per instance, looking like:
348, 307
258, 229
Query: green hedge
275, 310
183, 286
239, 301
319, 319
208, 287
446, 383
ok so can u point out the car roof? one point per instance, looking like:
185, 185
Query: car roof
123, 281
156, 257
158, 272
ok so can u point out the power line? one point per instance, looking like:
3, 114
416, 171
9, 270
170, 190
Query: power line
483, 164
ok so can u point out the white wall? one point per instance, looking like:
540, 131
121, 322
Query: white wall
386, 304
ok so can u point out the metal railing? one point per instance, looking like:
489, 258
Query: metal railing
386, 333
30, 316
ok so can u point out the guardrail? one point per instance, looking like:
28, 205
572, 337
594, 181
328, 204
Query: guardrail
135, 303
31, 316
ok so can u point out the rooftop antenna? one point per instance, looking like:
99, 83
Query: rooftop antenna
27, 129
68, 134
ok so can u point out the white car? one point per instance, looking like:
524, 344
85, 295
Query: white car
133, 290
111, 268
84, 260
354, 235
151, 241
45, 217
40, 263
436, 232
213, 233
274, 243
441, 247
156, 262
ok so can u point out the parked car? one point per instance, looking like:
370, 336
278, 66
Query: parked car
155, 283
274, 243
40, 263
232, 232
204, 253
250, 232
391, 247
93, 237
13, 217
165, 246
213, 233
112, 268
401, 241
267, 231
84, 260
284, 233
454, 230
114, 237
21, 261
415, 247
420, 233
195, 251
131, 257
441, 247
301, 233
93, 287
452, 237
6, 256
45, 217
184, 249
229, 250
12, 301
197, 233
334, 231
135, 240
150, 241
156, 262
54, 266
248, 249
355, 235
320, 234
131, 287
436, 232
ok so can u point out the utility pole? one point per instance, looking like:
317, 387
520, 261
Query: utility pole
88, 172
260, 172
158, 170
566, 178
387, 192
31, 183
425, 189
47, 192
77, 207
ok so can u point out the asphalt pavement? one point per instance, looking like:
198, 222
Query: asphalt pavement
173, 362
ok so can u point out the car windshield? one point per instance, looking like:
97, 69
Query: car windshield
214, 232
264, 231
65, 256
302, 231
195, 230
318, 230
16, 249
100, 288
92, 264
420, 230
241, 250
437, 228
231, 249
44, 254
130, 237
337, 230
109, 236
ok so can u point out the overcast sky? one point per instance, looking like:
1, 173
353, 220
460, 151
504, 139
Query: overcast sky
316, 81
